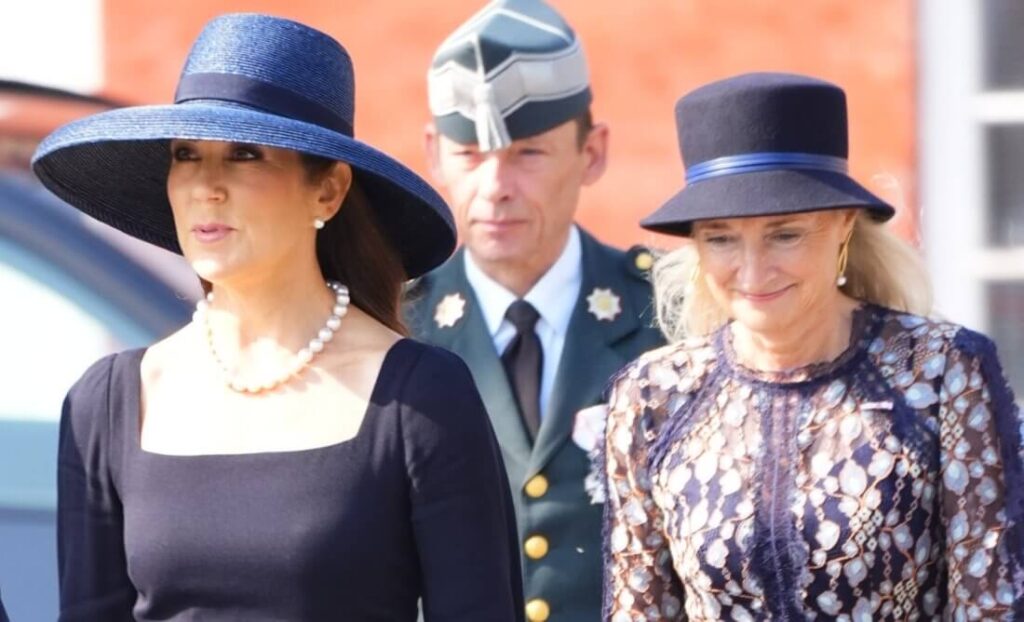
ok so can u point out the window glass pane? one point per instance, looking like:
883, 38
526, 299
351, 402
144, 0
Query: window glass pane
1005, 185
1003, 22
50, 333
1006, 322
48, 341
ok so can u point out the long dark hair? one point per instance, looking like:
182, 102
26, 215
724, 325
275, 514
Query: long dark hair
353, 249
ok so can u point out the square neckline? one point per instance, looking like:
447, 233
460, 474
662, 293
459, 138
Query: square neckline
135, 428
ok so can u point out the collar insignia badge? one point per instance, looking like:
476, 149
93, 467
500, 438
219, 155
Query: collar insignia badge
450, 310
605, 304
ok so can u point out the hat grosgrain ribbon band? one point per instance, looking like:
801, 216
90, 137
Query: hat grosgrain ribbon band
766, 161
241, 89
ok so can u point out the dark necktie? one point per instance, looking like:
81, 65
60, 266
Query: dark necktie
523, 360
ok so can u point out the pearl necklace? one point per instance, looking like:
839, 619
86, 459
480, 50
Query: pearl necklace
302, 359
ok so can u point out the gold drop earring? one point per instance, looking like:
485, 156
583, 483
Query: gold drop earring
844, 256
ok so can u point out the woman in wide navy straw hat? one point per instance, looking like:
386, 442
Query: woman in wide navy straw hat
812, 446
288, 455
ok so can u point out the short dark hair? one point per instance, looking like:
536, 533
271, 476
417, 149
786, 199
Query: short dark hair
584, 124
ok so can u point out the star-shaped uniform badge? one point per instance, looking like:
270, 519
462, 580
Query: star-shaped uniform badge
449, 310
604, 304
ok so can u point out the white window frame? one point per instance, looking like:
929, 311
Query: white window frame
955, 111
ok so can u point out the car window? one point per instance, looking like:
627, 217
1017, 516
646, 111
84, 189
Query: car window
53, 329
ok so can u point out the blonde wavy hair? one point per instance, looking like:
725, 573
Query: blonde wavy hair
881, 269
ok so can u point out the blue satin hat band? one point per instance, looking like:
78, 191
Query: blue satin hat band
766, 161
762, 144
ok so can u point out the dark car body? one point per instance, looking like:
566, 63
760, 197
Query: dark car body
71, 291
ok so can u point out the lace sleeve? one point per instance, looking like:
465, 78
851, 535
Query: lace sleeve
981, 484
639, 580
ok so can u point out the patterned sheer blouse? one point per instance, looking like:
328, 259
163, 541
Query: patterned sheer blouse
885, 485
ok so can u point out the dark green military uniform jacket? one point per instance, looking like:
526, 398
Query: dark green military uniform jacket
559, 526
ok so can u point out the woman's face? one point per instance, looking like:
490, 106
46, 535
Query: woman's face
242, 210
773, 273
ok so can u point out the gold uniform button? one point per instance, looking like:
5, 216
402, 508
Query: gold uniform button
644, 261
537, 486
536, 547
537, 610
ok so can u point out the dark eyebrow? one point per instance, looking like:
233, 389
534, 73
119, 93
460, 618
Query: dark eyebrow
713, 225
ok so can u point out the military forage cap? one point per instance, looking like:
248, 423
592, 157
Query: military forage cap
515, 69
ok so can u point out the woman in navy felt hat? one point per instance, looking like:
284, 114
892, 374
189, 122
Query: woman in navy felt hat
812, 445
287, 455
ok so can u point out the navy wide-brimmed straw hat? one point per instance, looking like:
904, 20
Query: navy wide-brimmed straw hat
761, 144
249, 79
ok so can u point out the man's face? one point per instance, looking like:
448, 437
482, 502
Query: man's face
514, 206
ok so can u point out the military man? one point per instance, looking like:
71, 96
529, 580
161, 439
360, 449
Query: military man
543, 313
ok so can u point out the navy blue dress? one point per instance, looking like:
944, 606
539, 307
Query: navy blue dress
416, 505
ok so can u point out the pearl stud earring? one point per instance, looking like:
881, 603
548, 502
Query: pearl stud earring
318, 224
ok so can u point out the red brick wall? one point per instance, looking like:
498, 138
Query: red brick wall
643, 55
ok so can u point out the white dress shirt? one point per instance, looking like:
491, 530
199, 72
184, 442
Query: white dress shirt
554, 296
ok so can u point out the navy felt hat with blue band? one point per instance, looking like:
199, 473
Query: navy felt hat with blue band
250, 79
761, 144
